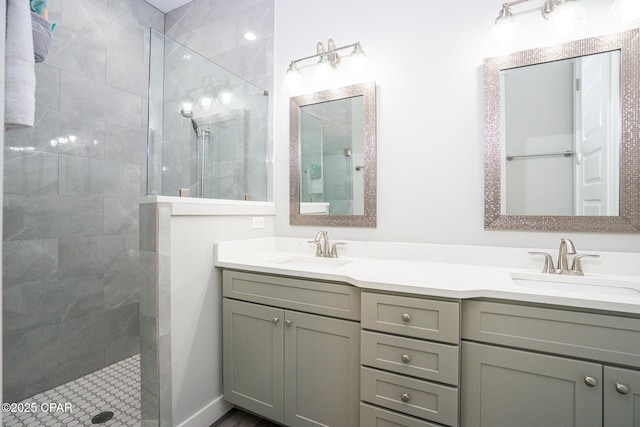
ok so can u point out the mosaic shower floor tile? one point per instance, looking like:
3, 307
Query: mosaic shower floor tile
114, 389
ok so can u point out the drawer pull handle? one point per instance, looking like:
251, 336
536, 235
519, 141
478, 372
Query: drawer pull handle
621, 388
288, 322
275, 320
405, 397
590, 381
406, 317
406, 358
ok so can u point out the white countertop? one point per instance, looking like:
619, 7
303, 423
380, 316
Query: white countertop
450, 271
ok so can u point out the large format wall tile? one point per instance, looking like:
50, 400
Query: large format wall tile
36, 305
71, 258
82, 97
120, 216
32, 172
81, 176
92, 255
126, 145
60, 132
48, 86
43, 217
33, 353
28, 261
79, 54
127, 75
102, 26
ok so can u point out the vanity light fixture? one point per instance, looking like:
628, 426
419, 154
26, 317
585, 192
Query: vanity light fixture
328, 61
565, 16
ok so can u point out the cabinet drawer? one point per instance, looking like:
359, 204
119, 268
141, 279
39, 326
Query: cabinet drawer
423, 399
414, 317
585, 335
371, 416
423, 359
329, 299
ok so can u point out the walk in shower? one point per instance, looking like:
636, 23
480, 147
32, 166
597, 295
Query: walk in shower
207, 128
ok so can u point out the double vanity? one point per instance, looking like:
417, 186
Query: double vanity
400, 334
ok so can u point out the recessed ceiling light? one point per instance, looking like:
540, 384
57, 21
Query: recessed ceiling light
249, 35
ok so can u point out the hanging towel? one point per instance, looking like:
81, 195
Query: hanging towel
38, 6
41, 36
314, 185
20, 75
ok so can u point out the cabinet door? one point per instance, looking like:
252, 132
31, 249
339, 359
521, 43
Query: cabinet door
621, 397
505, 388
322, 374
253, 358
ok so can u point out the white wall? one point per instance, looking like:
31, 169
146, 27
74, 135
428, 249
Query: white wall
3, 13
196, 313
426, 58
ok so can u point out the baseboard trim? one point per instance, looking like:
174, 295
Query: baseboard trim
209, 414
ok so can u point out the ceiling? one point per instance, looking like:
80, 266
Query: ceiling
167, 5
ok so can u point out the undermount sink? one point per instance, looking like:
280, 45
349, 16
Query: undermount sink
576, 284
310, 262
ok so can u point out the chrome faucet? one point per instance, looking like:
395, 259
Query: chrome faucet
566, 248
323, 248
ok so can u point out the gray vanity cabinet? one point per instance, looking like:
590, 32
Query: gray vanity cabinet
410, 357
296, 368
253, 355
535, 366
621, 397
504, 388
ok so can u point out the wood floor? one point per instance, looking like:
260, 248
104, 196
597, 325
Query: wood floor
239, 418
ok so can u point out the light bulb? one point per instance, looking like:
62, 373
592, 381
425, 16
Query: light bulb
226, 97
358, 62
568, 18
205, 101
505, 33
187, 110
625, 11
292, 80
250, 36
323, 73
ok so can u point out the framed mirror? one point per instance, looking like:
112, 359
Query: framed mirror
562, 149
332, 157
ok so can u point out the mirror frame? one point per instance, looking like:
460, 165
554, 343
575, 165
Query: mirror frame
628, 42
368, 91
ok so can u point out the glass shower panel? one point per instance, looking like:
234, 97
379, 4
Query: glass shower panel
207, 128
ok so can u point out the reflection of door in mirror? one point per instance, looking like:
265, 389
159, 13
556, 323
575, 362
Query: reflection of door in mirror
561, 138
331, 157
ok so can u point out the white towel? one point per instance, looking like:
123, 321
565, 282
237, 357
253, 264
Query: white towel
314, 186
20, 74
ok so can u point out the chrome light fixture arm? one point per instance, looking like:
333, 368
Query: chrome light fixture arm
331, 53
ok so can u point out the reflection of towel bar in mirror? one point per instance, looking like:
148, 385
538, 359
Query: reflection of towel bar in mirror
567, 153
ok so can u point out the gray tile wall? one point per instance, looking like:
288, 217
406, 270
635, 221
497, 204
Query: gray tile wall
71, 263
215, 29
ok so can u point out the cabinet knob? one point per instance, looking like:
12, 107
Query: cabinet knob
621, 388
590, 381
406, 358
406, 317
288, 322
275, 319
405, 397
